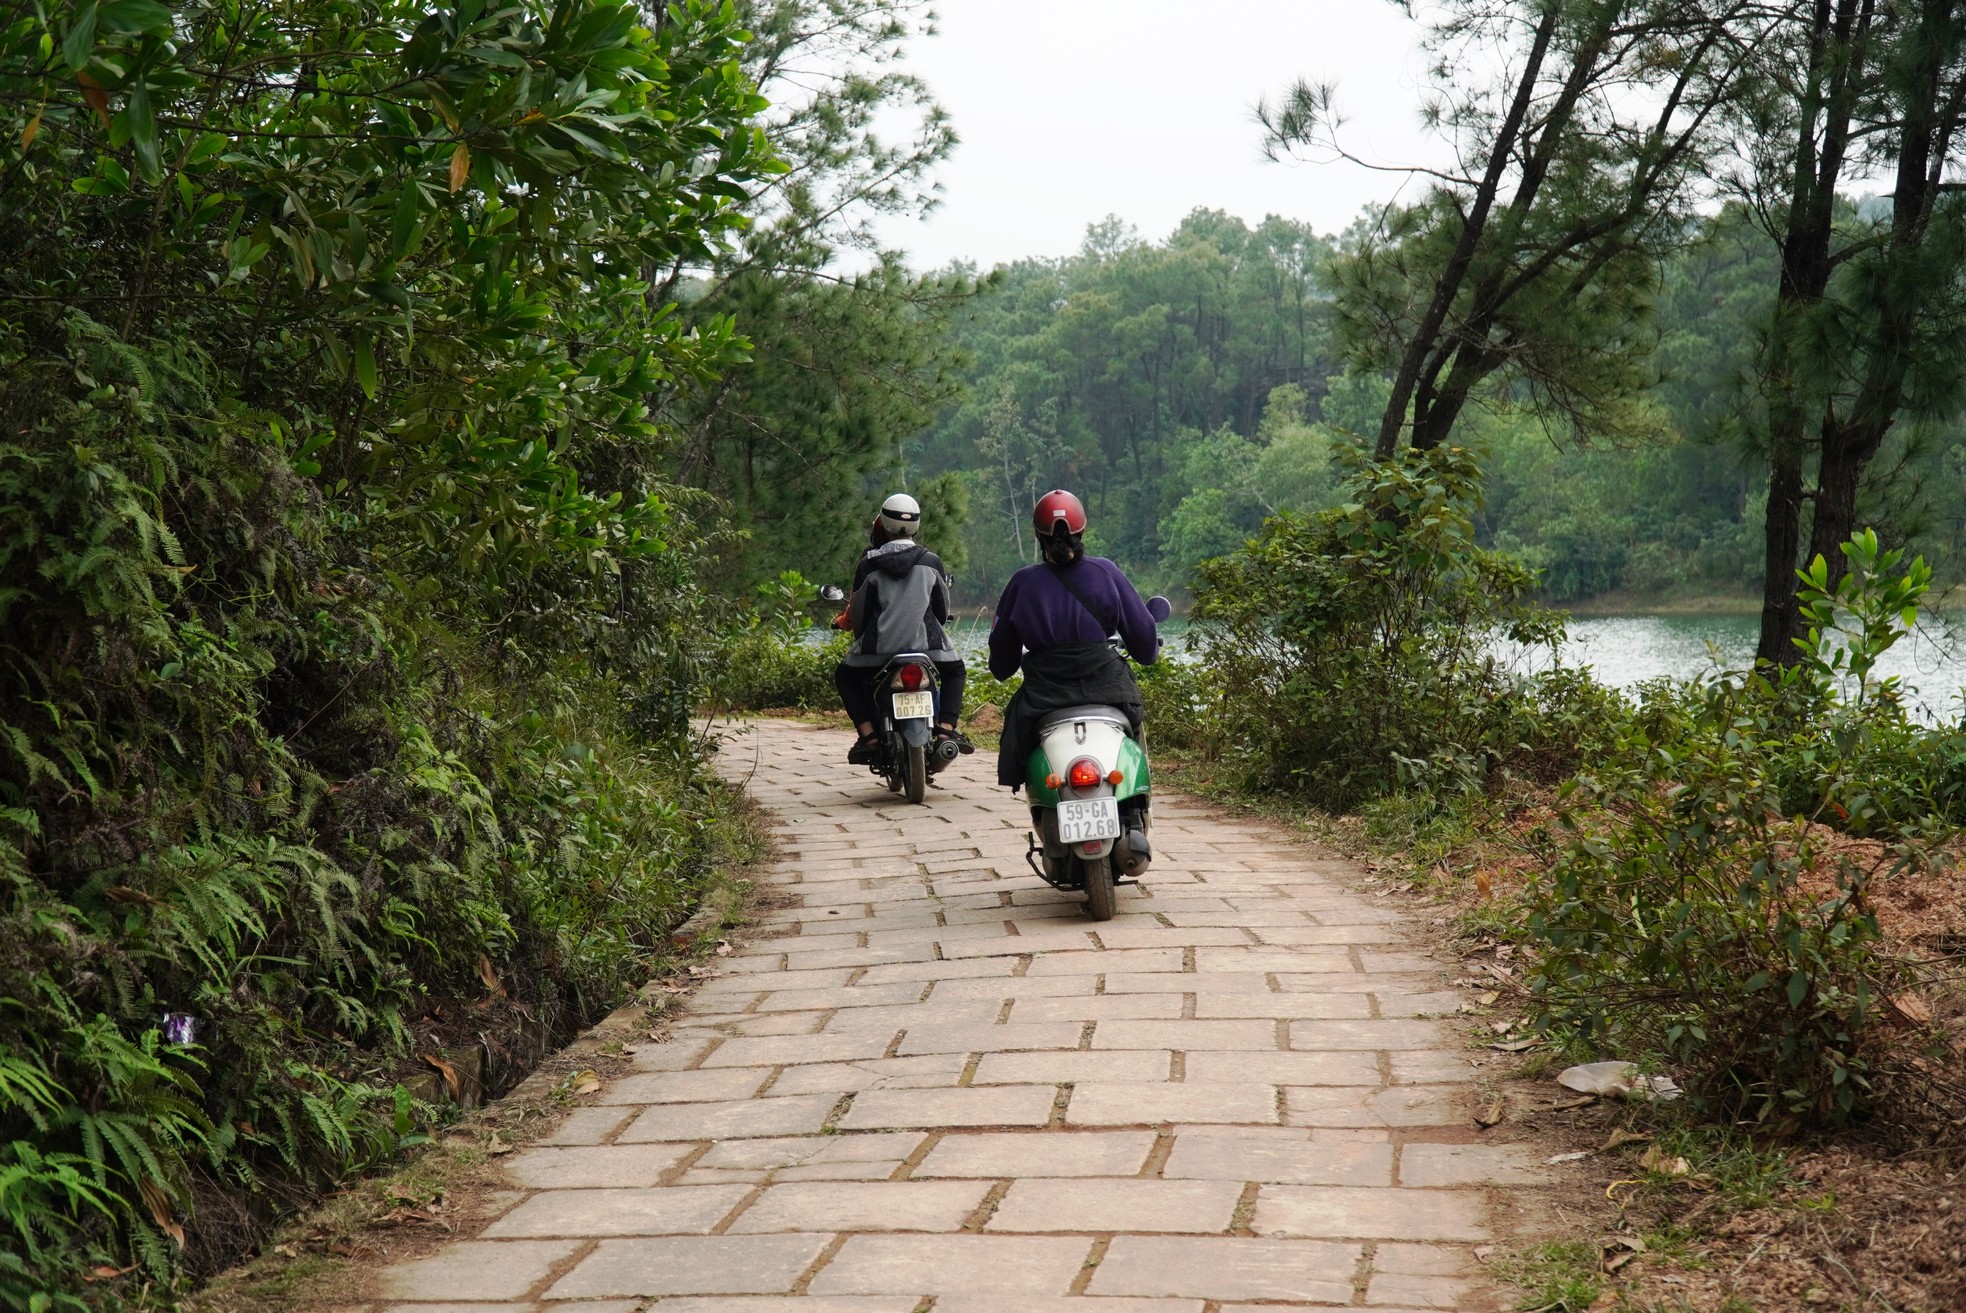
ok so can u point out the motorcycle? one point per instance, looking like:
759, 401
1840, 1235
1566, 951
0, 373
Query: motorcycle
1089, 786
907, 692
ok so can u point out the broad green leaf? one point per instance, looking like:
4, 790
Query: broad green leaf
365, 365
80, 38
142, 118
134, 15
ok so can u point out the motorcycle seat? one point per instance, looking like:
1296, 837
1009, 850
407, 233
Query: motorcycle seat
1112, 715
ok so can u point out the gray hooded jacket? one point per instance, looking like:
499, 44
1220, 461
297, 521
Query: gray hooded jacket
900, 603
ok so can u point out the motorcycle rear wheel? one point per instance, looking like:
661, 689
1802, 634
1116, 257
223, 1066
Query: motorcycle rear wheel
1100, 895
914, 772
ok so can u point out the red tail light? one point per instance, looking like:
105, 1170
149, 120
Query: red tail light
912, 678
1085, 773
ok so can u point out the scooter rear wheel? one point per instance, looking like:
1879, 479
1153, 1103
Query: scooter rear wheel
1101, 897
914, 772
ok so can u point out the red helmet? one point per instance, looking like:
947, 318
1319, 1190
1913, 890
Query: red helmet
1058, 507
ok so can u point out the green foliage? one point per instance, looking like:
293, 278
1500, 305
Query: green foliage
344, 602
1701, 913
1351, 648
774, 660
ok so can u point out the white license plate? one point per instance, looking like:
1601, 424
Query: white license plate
1081, 819
914, 706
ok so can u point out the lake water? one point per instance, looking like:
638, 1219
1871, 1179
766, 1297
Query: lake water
1625, 651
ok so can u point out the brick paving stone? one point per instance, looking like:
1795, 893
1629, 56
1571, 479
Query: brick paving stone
1349, 1212
1286, 1007
1038, 1154
1424, 1165
1139, 937
1303, 935
673, 1056
765, 1024
1188, 982
769, 1304
1093, 963
863, 1206
1210, 1068
999, 1105
679, 1210
998, 988
1251, 1025
1227, 1268
1409, 1259
690, 1265
707, 1085
589, 1125
846, 996
1185, 1035
933, 1071
796, 1048
1329, 961
1101, 1104
722, 1121
885, 1022
1425, 1068
1191, 1207
969, 969
990, 1039
593, 1307
1141, 1065
1076, 1304
477, 1269
1346, 982
594, 1165
1409, 1105
1317, 1035
1102, 1007
953, 1264
1414, 1292
812, 1150
1283, 1162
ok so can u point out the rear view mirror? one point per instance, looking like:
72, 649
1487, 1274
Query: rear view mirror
832, 593
1159, 608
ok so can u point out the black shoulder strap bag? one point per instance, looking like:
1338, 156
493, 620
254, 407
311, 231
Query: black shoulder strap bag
1064, 577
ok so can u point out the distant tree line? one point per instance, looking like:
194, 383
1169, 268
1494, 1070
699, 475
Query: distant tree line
1692, 283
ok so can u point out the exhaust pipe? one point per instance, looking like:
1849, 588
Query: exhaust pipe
1135, 854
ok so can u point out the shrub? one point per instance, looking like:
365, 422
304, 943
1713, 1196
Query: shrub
1349, 652
1704, 913
776, 658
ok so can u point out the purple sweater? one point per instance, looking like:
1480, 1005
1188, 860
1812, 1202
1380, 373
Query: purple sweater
1037, 612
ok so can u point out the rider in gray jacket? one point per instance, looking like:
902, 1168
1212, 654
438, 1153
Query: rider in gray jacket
900, 604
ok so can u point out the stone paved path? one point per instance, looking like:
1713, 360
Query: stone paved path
931, 1084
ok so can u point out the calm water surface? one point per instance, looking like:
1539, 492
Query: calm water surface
1625, 651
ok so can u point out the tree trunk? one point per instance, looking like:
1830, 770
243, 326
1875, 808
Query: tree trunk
1924, 135
1836, 56
1427, 333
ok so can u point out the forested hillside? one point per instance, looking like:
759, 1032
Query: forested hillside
1191, 387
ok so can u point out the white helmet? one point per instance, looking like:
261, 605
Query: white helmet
901, 516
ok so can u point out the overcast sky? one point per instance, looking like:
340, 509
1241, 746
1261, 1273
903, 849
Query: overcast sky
1070, 110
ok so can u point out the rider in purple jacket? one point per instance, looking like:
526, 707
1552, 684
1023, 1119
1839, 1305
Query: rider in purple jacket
1055, 621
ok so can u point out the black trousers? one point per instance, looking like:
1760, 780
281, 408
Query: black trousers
856, 686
